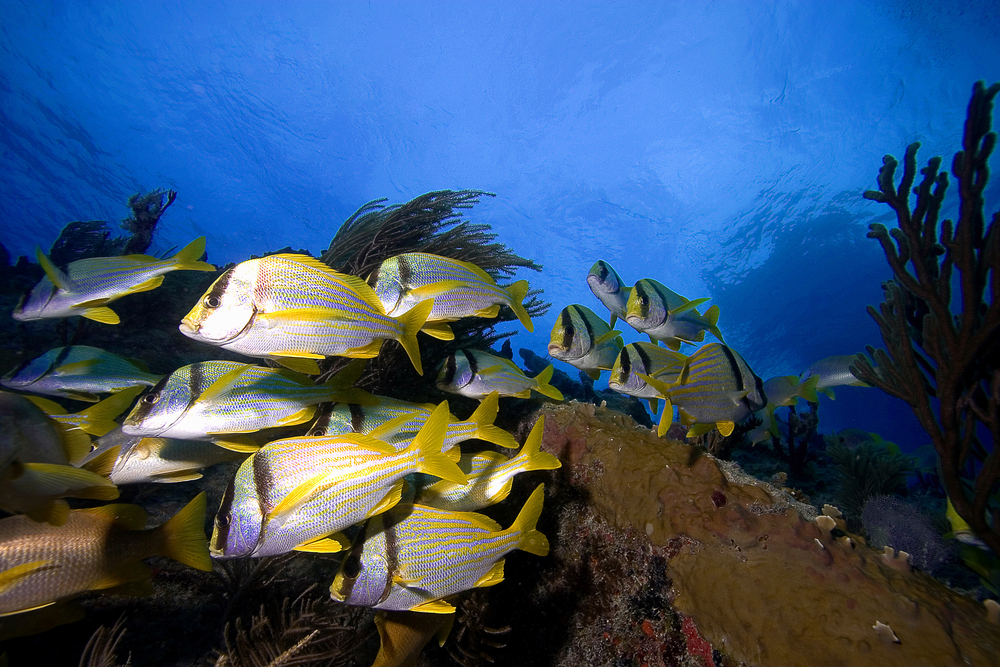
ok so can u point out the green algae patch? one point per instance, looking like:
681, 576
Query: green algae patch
765, 582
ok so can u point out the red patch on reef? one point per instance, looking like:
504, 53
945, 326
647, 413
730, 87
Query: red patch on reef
719, 499
697, 645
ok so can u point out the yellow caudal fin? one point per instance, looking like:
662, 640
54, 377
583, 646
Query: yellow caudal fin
439, 330
104, 463
543, 387
530, 539
99, 419
531, 456
517, 292
484, 416
428, 444
712, 315
411, 322
183, 536
187, 258
50, 479
807, 389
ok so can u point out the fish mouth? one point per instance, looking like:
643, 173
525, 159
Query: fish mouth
555, 350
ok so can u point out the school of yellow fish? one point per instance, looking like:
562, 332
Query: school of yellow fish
354, 466
382, 478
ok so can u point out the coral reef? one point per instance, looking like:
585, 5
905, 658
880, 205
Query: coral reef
866, 471
146, 212
942, 355
761, 579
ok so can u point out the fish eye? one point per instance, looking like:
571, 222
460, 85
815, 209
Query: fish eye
352, 566
316, 432
212, 302
151, 398
643, 301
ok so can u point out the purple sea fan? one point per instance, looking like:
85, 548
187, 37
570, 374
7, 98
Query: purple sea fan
891, 522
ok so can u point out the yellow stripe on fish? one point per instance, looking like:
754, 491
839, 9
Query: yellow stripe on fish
459, 289
88, 285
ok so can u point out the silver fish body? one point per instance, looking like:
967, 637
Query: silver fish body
476, 374
215, 398
642, 358
664, 315
583, 340
80, 372
413, 556
833, 371
607, 286
87, 285
459, 289
290, 305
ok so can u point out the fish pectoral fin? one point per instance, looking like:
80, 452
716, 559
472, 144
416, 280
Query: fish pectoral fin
306, 366
12, 576
126, 573
435, 607
175, 476
725, 428
330, 544
235, 443
610, 336
300, 417
492, 577
102, 314
435, 289
298, 355
150, 284
390, 500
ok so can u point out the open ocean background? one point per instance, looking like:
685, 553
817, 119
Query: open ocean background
718, 147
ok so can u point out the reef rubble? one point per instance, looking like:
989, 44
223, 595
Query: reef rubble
765, 579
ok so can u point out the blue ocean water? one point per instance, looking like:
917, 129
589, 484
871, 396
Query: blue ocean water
718, 147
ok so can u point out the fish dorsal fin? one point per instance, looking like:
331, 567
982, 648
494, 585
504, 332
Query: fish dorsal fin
55, 274
477, 270
356, 284
131, 517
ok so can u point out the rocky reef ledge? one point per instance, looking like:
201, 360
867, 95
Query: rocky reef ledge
763, 578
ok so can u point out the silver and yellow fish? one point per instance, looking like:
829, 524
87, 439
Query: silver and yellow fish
297, 493
607, 286
295, 309
79, 372
490, 474
459, 289
583, 340
638, 359
665, 315
397, 422
716, 389
219, 399
833, 371
94, 549
88, 285
476, 374
414, 556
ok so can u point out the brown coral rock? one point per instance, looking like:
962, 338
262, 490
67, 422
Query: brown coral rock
764, 584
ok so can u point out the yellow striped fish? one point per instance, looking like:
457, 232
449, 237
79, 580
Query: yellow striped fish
293, 308
607, 286
79, 372
297, 492
88, 285
218, 399
637, 359
665, 315
475, 374
413, 556
94, 549
716, 389
583, 340
397, 422
459, 289
490, 474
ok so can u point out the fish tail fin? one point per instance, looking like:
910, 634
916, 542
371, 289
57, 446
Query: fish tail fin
484, 416
807, 389
531, 454
712, 315
183, 536
187, 258
99, 419
543, 387
531, 540
518, 291
410, 323
428, 443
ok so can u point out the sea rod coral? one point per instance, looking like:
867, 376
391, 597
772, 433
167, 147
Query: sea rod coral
942, 355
